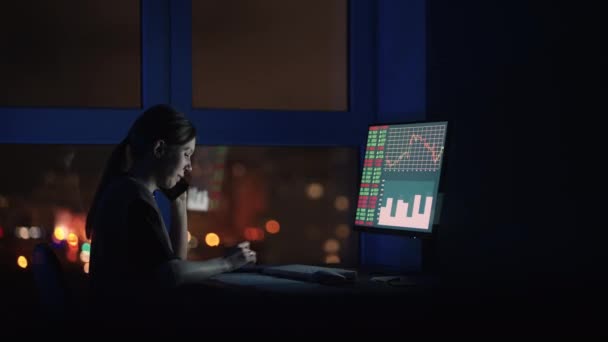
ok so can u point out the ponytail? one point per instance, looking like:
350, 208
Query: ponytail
117, 164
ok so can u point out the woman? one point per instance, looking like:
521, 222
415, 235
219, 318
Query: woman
132, 254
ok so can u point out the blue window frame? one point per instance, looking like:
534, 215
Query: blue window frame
167, 78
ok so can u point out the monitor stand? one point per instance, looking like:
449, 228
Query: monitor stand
385, 256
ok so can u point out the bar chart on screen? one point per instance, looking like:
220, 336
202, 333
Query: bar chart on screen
406, 204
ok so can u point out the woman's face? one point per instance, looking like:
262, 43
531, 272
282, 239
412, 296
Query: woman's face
174, 164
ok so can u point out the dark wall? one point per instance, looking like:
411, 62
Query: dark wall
495, 72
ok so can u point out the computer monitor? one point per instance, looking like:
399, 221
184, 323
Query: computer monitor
399, 184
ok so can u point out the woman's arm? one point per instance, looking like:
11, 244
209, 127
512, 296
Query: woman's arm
178, 271
179, 226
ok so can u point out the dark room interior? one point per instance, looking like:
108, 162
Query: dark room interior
282, 94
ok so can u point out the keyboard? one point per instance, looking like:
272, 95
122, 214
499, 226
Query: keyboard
306, 272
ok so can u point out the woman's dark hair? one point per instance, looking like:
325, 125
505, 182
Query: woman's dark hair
157, 122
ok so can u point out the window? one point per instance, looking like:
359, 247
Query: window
270, 54
71, 54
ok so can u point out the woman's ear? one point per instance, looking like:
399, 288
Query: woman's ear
159, 148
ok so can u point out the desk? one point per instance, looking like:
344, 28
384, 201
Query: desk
274, 285
261, 283
294, 305
269, 304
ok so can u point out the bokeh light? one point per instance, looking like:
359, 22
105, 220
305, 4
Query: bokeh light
314, 190
85, 256
332, 259
59, 233
3, 202
341, 203
342, 231
35, 232
72, 240
273, 226
22, 233
331, 246
22, 261
212, 239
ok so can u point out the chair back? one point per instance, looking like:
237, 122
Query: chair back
50, 282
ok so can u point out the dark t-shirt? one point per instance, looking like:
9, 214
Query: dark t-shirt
128, 244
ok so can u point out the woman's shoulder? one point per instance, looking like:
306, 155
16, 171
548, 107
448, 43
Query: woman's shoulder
125, 188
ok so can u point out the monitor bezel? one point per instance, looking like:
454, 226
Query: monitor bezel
412, 233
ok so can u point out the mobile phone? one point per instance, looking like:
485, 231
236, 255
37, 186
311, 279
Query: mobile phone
176, 191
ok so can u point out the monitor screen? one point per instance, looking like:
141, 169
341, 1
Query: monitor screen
399, 185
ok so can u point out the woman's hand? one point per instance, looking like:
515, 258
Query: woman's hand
243, 256
181, 200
